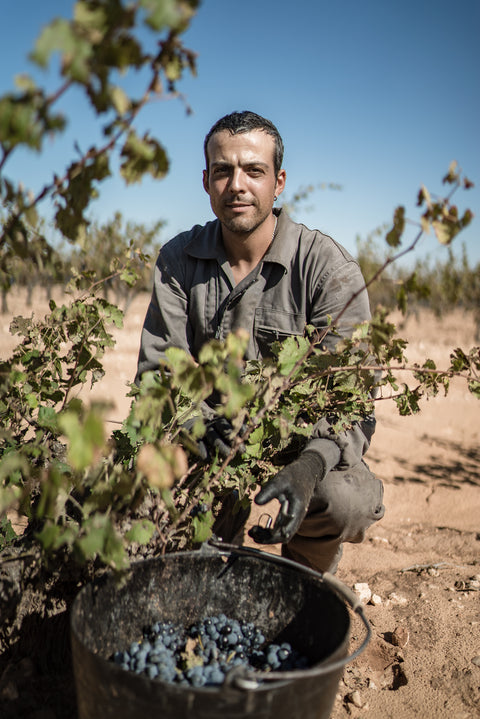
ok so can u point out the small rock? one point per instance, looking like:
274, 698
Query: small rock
376, 600
433, 571
371, 684
476, 661
400, 637
355, 698
379, 539
397, 599
363, 592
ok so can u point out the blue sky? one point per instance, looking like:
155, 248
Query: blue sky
376, 96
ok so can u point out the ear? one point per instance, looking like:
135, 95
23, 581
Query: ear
205, 182
280, 185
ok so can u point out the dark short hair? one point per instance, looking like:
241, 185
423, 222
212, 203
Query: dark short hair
246, 121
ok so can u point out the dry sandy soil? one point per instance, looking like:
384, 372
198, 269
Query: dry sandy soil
421, 562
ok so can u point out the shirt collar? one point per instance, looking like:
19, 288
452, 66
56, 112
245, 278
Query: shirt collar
285, 241
206, 242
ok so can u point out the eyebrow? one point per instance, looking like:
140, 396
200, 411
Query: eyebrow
250, 163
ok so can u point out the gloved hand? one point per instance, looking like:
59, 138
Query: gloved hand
219, 435
293, 486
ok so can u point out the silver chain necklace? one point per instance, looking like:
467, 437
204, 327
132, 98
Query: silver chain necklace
274, 229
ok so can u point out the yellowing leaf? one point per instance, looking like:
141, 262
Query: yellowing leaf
120, 100
425, 224
443, 232
162, 467
24, 82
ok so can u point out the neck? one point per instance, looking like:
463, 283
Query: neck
249, 246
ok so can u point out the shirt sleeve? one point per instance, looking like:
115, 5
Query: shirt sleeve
343, 294
166, 322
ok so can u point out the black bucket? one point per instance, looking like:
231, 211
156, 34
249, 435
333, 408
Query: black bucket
287, 602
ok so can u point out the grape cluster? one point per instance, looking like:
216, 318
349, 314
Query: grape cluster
203, 653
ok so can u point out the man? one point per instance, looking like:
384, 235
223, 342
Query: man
254, 268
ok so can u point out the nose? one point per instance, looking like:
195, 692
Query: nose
236, 183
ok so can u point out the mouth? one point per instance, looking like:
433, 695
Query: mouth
238, 205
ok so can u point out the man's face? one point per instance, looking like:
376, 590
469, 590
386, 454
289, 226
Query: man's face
241, 180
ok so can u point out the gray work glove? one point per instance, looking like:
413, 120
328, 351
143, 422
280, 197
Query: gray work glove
293, 486
219, 436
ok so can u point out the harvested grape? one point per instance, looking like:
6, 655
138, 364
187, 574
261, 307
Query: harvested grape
203, 653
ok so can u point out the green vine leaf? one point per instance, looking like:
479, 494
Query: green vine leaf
142, 531
394, 237
86, 439
291, 352
168, 13
142, 155
100, 539
202, 527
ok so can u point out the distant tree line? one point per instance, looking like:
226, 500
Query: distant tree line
439, 285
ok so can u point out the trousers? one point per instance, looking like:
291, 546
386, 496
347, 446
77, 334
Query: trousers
344, 505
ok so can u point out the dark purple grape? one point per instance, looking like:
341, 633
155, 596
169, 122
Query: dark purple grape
220, 643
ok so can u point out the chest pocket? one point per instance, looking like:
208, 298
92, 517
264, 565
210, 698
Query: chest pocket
272, 325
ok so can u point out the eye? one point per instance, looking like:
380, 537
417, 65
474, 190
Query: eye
255, 171
220, 171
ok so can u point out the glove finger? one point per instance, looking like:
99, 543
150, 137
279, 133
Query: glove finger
202, 450
288, 519
286, 529
291, 515
272, 490
285, 523
280, 533
196, 447
262, 535
241, 448
223, 428
216, 441
222, 448
220, 442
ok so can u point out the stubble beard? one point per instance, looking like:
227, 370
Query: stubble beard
244, 225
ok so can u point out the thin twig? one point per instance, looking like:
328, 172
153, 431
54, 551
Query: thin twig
438, 565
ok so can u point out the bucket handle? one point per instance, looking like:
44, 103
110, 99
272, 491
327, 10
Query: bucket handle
245, 679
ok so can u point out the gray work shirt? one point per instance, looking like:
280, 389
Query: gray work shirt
304, 277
